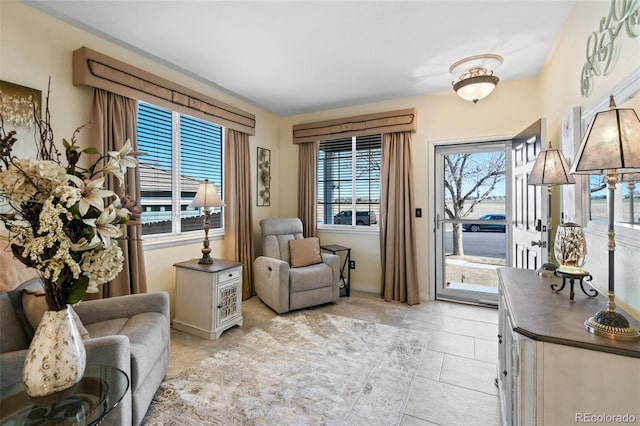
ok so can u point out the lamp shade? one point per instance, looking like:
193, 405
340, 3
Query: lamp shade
550, 168
612, 142
207, 196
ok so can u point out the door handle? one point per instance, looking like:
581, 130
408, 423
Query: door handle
539, 243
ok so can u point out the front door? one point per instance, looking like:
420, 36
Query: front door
472, 216
528, 226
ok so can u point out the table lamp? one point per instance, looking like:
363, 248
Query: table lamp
611, 146
550, 168
206, 198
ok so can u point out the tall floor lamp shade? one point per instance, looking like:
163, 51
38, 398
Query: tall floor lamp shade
550, 169
611, 146
206, 198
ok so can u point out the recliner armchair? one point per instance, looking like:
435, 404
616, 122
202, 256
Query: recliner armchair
284, 288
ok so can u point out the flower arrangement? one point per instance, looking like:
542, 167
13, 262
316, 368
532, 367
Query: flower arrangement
61, 219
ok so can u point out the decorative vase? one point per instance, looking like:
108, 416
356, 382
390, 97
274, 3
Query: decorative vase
570, 248
56, 358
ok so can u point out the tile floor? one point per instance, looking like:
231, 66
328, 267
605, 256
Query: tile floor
455, 383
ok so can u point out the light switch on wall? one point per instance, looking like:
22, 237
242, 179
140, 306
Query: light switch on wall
418, 212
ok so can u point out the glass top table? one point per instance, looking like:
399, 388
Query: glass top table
99, 392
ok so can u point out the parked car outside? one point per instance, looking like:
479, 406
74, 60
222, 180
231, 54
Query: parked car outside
362, 218
484, 223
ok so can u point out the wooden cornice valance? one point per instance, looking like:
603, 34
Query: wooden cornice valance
404, 120
94, 69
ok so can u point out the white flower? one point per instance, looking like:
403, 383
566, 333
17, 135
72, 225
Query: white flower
102, 266
106, 225
91, 192
120, 161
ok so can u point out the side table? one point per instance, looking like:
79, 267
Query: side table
208, 297
345, 282
97, 394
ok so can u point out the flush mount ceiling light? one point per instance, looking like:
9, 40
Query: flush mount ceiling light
476, 80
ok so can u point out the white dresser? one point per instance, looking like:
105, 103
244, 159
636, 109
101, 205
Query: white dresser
551, 370
208, 297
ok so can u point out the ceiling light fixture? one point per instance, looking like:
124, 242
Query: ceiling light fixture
476, 80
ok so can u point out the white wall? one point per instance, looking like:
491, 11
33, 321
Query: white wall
34, 46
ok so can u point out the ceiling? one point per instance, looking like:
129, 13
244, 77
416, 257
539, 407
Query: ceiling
292, 57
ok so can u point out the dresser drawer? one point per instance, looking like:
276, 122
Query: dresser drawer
228, 275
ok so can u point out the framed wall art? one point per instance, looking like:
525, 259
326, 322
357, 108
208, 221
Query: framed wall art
571, 130
264, 177
16, 107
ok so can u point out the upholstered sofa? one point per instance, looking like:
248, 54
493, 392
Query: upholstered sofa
127, 332
283, 287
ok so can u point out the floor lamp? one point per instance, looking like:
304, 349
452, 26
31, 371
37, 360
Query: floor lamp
611, 146
550, 169
206, 198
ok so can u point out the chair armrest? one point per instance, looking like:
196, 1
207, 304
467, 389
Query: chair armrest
333, 260
271, 282
93, 311
11, 364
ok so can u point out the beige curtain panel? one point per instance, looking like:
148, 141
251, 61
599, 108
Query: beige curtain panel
404, 120
94, 69
114, 121
238, 214
397, 224
307, 187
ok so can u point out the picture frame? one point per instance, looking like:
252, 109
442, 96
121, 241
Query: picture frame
570, 139
17, 109
263, 198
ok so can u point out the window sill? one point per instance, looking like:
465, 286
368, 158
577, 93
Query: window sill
152, 242
346, 229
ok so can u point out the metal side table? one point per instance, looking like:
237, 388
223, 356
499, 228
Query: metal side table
345, 281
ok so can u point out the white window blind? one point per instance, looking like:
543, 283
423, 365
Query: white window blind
349, 181
181, 151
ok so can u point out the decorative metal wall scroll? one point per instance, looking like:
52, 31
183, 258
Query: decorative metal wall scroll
601, 44
264, 177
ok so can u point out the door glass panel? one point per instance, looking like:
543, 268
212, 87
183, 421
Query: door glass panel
473, 220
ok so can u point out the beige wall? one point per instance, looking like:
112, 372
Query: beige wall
560, 91
34, 46
442, 118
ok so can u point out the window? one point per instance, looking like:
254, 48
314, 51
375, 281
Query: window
349, 181
180, 152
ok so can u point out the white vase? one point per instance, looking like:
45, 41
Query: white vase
56, 359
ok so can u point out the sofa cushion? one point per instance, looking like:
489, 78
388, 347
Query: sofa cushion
148, 334
305, 252
12, 335
15, 296
310, 277
34, 304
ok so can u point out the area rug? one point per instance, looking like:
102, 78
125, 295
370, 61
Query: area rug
307, 368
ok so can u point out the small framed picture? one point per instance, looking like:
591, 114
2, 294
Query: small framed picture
571, 211
264, 177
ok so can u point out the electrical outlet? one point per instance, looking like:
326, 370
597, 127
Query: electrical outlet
352, 264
